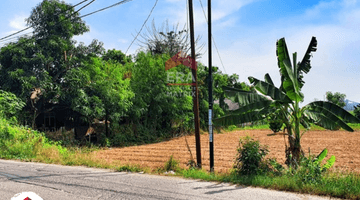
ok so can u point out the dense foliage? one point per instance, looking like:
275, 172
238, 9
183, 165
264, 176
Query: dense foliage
58, 83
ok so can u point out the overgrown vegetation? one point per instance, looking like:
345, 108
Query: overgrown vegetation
311, 177
57, 83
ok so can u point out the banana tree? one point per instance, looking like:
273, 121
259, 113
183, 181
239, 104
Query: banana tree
284, 101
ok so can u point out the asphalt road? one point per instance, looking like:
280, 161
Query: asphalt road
78, 183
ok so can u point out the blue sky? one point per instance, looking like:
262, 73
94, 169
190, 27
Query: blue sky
245, 32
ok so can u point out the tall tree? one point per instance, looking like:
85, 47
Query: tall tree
336, 98
40, 62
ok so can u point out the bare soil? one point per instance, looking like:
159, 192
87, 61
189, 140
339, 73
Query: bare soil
344, 145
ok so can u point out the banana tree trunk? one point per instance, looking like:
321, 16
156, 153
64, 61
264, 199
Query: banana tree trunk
294, 151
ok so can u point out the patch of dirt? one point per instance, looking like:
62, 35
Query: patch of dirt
344, 145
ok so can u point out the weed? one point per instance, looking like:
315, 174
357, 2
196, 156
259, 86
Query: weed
231, 127
171, 164
129, 168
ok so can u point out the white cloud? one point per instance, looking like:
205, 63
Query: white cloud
18, 22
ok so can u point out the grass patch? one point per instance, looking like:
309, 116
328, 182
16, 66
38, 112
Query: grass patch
355, 126
332, 184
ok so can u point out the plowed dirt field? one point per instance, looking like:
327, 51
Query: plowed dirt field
344, 145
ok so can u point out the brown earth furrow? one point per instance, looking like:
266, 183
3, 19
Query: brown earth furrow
344, 145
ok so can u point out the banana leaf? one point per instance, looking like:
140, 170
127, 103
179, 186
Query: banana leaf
304, 65
335, 109
242, 118
321, 156
268, 79
269, 90
330, 162
326, 119
243, 97
289, 81
252, 106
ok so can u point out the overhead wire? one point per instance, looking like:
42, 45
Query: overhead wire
202, 7
116, 4
137, 35
32, 26
14, 38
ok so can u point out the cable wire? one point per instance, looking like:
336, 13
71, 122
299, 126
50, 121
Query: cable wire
116, 4
202, 7
32, 26
142, 26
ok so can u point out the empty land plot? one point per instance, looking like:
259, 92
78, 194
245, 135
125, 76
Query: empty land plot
344, 145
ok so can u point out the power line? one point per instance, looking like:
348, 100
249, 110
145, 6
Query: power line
32, 26
142, 26
202, 7
13, 38
85, 6
116, 4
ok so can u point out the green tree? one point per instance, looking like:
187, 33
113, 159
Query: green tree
285, 100
157, 107
99, 90
41, 61
336, 98
116, 56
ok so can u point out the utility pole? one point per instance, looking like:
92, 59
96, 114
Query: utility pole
195, 91
211, 133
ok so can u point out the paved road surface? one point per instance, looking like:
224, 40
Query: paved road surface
52, 182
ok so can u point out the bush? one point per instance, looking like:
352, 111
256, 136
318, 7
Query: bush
171, 164
310, 170
231, 127
275, 126
10, 105
249, 158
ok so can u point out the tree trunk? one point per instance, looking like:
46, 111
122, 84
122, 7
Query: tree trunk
294, 151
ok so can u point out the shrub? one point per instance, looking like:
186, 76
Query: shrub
171, 164
311, 170
10, 105
249, 157
275, 126
232, 127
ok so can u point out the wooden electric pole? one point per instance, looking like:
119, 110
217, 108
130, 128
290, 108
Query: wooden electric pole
195, 91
